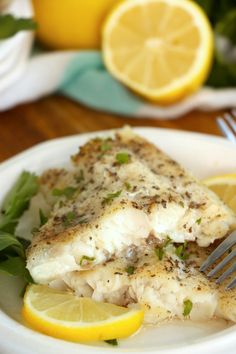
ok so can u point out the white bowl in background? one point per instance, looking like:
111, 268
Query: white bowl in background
15, 51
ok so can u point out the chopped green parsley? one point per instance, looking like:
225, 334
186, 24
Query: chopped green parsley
160, 253
86, 258
67, 192
187, 307
122, 157
111, 196
198, 221
181, 251
69, 217
130, 270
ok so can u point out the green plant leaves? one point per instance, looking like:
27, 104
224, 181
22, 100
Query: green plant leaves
16, 266
9, 25
9, 241
12, 248
17, 201
222, 14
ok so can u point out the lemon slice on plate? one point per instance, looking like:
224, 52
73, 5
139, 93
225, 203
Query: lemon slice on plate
162, 49
225, 187
63, 315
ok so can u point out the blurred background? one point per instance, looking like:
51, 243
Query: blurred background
71, 66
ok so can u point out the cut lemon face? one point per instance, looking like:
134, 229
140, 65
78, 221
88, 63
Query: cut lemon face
162, 49
63, 315
225, 187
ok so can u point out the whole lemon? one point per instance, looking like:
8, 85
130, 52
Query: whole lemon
71, 24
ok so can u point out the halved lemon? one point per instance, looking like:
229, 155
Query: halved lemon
225, 187
71, 24
63, 315
162, 49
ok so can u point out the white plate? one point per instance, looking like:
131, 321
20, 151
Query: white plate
202, 154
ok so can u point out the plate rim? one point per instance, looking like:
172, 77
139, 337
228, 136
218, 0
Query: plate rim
49, 142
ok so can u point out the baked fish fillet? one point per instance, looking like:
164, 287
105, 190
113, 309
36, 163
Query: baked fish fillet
121, 192
161, 286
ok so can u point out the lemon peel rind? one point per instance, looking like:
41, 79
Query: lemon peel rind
179, 87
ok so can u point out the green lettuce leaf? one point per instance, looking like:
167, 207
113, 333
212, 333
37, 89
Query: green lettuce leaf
10, 242
12, 248
17, 201
16, 266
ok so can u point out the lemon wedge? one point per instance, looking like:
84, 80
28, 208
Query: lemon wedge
65, 316
162, 49
225, 187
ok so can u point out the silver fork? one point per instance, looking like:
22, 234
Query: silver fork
225, 246
227, 125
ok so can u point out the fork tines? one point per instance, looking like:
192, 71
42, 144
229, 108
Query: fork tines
227, 124
226, 245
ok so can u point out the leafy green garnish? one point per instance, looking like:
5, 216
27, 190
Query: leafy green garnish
122, 157
111, 196
86, 258
9, 25
12, 248
16, 266
181, 251
130, 270
17, 201
68, 218
187, 307
67, 192
25, 243
43, 218
113, 342
10, 242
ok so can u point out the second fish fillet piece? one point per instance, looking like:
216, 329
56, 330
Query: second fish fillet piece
162, 287
122, 191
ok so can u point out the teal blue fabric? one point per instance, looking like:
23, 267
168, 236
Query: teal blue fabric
87, 81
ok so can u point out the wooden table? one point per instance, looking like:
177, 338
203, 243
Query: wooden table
57, 116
